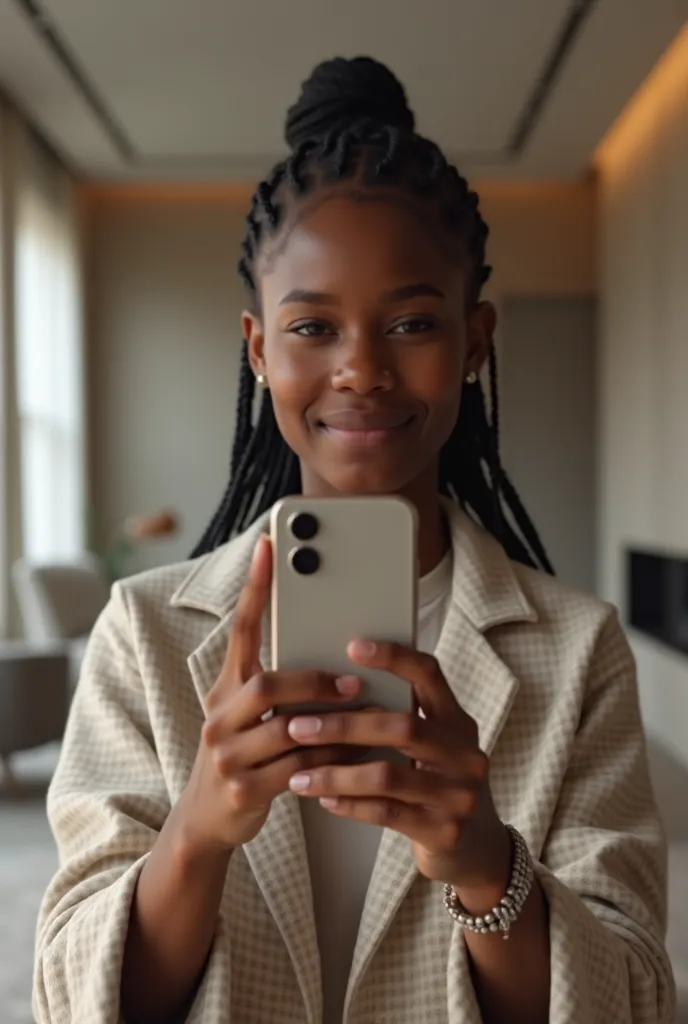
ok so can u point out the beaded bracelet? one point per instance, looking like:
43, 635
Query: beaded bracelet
501, 917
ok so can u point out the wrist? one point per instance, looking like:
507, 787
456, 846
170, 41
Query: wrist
482, 888
191, 849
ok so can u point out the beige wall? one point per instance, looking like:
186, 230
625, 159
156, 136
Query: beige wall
164, 343
164, 329
542, 238
644, 359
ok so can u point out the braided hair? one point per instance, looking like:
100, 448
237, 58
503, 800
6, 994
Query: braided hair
352, 121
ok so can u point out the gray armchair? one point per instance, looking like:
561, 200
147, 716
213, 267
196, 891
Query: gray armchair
34, 698
61, 603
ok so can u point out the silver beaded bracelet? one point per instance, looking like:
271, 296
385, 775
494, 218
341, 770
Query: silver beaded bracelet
501, 917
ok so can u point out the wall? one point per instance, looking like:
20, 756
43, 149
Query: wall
164, 343
548, 424
542, 238
643, 478
164, 329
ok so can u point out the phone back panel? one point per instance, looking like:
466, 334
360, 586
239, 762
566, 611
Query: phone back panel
365, 587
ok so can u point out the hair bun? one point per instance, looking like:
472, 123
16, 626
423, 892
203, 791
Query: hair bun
341, 92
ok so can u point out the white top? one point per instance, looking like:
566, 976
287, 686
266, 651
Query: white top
341, 852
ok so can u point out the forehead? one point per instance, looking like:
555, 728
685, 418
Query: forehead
356, 239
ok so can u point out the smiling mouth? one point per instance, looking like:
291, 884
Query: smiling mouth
364, 436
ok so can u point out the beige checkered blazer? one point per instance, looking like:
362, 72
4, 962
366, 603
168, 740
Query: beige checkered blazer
548, 676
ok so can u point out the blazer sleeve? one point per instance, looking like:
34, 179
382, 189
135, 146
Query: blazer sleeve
106, 805
604, 864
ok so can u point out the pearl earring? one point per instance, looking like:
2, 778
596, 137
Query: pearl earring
261, 380
471, 377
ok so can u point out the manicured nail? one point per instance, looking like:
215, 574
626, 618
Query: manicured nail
260, 544
299, 782
302, 728
329, 802
362, 648
347, 685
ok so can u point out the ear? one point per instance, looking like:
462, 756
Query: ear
253, 332
482, 322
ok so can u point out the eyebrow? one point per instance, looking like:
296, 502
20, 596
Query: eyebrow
407, 291
311, 298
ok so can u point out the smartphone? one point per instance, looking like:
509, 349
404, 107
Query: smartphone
344, 568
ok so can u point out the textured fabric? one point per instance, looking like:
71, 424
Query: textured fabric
548, 676
341, 852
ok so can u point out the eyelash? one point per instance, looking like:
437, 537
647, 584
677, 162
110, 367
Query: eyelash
303, 331
412, 325
422, 325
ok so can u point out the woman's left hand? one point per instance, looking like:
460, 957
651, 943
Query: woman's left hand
441, 799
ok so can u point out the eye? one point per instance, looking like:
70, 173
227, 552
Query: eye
414, 325
311, 329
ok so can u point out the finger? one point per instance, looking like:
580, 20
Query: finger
418, 823
254, 789
392, 781
420, 739
336, 755
260, 745
422, 670
267, 690
243, 648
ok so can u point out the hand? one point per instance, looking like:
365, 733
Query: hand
441, 799
243, 763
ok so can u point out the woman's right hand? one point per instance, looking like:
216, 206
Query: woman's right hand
243, 762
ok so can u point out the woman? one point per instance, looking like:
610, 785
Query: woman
220, 866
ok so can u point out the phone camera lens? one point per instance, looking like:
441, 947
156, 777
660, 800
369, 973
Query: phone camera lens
305, 561
303, 525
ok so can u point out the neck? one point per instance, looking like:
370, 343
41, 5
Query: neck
433, 533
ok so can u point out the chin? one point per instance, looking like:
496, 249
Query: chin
367, 480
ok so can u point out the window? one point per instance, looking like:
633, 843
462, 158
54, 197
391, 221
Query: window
49, 366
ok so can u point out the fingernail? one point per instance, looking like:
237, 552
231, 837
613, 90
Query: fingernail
362, 648
328, 802
302, 728
256, 550
299, 782
347, 685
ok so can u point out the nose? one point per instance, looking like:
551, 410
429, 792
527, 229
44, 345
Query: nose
363, 364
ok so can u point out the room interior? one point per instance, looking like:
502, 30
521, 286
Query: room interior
131, 139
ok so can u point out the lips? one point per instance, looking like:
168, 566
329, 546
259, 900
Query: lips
357, 428
354, 420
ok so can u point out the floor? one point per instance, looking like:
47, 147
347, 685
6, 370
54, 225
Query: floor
27, 861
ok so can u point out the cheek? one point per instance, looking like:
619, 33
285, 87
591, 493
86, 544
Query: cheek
296, 380
435, 374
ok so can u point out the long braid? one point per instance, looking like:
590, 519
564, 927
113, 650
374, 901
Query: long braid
244, 411
352, 121
496, 470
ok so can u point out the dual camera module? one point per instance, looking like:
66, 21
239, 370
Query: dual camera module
304, 560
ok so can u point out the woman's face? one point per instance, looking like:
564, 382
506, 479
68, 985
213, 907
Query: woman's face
365, 340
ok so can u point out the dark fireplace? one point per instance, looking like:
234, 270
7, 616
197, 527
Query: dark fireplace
657, 595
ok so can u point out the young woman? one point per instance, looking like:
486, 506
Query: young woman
222, 867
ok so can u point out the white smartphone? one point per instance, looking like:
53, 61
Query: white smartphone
344, 568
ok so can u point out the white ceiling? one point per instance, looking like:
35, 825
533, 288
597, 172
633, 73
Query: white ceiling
200, 87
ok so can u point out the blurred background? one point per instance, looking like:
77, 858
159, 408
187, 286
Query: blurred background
132, 133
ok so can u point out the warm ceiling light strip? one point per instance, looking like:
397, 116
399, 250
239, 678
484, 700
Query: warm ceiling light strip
666, 84
229, 193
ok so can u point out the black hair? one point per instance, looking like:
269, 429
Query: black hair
352, 120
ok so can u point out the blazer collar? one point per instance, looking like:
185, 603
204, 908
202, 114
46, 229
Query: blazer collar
215, 581
485, 587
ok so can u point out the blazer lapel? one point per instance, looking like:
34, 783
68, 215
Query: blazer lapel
277, 856
485, 593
